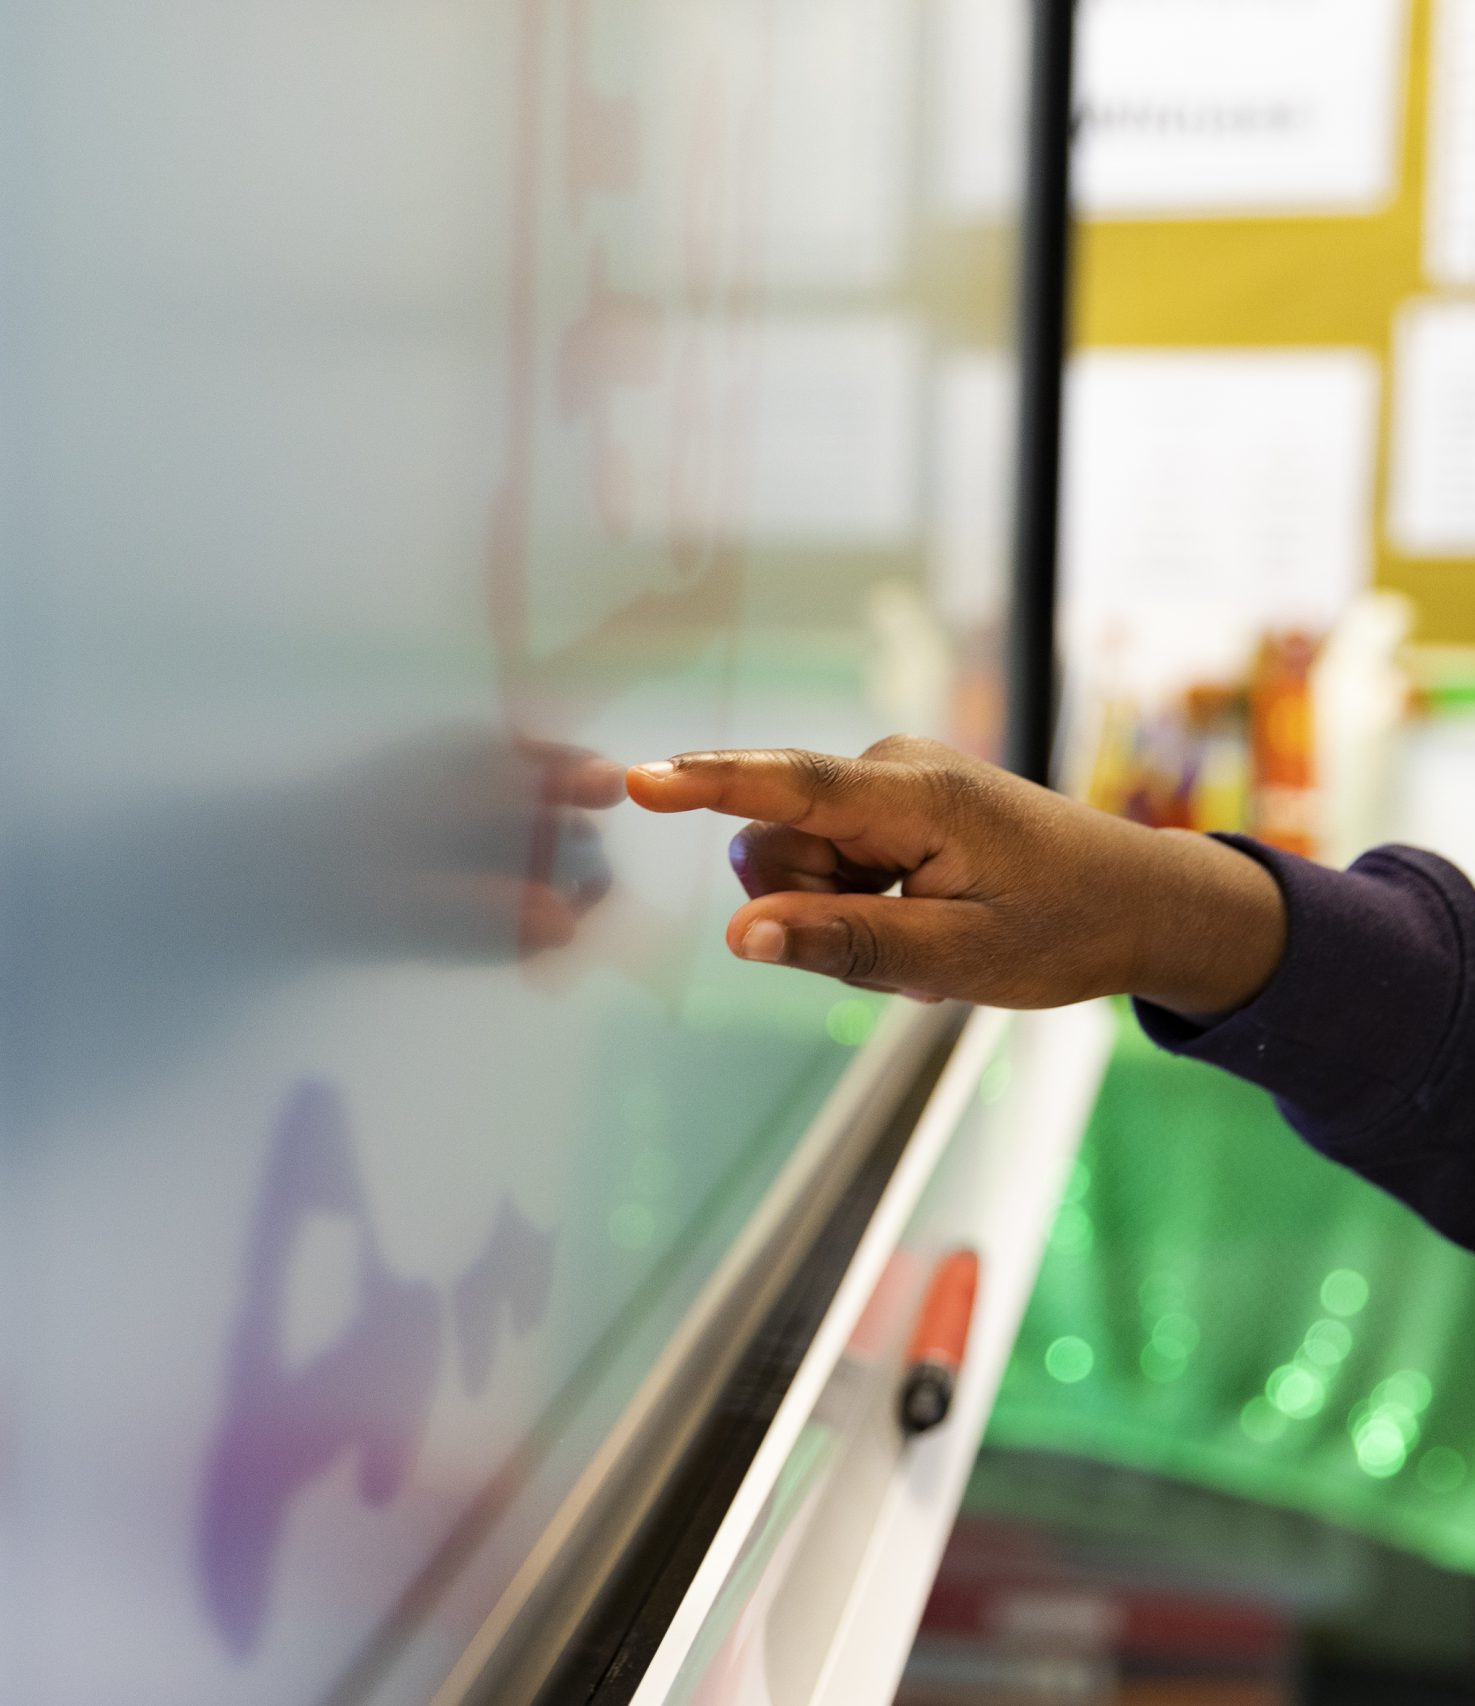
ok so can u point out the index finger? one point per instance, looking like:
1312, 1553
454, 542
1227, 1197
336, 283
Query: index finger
812, 791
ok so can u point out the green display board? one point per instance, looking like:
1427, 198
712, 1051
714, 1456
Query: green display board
1221, 1304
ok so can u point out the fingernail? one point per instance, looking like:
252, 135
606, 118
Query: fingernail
661, 768
764, 941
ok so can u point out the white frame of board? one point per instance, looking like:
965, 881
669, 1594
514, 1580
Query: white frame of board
1015, 1166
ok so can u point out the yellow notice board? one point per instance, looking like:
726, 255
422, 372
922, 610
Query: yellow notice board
1296, 282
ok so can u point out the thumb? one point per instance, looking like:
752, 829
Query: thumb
926, 947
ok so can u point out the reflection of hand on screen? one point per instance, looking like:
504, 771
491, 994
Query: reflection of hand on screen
467, 846
463, 846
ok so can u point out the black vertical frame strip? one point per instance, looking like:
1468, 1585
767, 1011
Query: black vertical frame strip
1043, 325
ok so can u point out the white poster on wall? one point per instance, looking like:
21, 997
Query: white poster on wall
1449, 232
1432, 486
1210, 494
1193, 108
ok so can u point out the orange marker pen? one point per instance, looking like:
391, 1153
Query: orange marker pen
936, 1351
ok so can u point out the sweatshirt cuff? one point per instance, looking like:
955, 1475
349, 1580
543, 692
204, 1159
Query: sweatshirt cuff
1354, 1030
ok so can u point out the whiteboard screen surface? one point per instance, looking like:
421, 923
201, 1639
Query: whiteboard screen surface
409, 415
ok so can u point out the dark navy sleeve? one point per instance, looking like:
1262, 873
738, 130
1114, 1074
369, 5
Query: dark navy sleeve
1366, 1033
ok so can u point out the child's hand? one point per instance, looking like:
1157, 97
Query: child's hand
1011, 895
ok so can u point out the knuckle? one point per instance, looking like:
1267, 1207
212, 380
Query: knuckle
935, 774
916, 749
891, 746
860, 949
945, 796
819, 773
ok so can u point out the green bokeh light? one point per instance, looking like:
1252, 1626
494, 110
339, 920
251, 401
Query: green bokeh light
1328, 1343
1408, 1389
1296, 1392
1079, 1184
1074, 1232
1177, 1334
1396, 1416
1069, 1360
1379, 1444
1402, 1418
632, 1226
1261, 1422
851, 1022
1161, 1293
1163, 1363
1344, 1292
1442, 1470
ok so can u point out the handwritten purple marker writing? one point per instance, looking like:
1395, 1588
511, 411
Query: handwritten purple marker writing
369, 1393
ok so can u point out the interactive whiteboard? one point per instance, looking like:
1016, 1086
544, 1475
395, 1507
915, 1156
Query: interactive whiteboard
408, 414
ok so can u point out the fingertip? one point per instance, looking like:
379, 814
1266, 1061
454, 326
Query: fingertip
741, 922
641, 785
647, 785
764, 940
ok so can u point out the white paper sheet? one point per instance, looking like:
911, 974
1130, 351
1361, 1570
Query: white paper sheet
1211, 493
1205, 107
1432, 491
1449, 233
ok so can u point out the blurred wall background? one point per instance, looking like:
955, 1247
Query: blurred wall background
1343, 264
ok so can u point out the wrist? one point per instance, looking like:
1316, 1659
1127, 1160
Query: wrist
1213, 927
